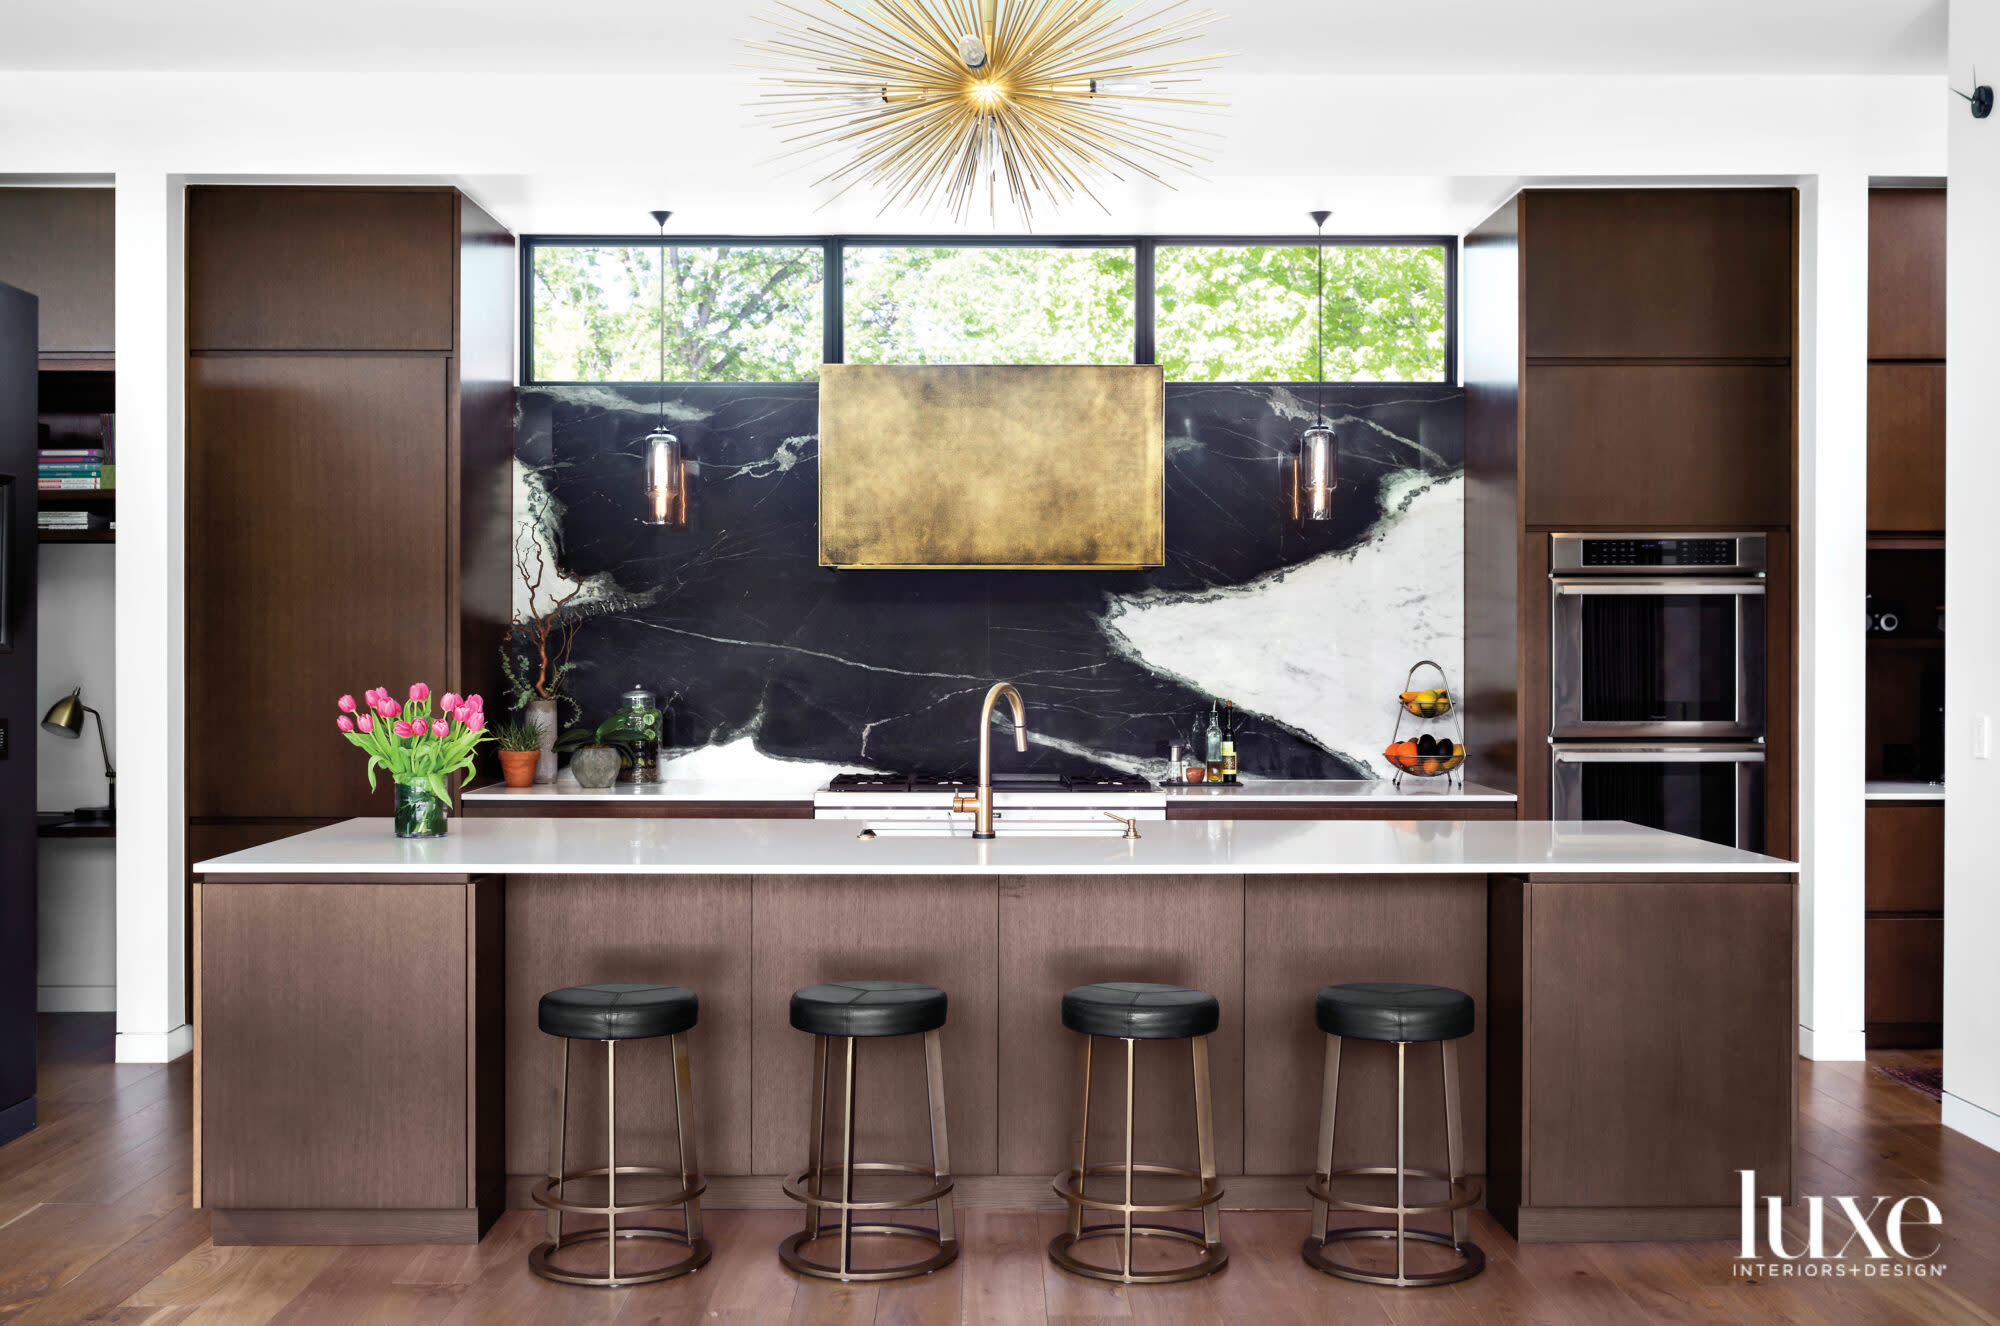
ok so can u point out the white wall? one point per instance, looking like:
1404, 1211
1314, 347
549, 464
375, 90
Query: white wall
77, 879
526, 146
1972, 644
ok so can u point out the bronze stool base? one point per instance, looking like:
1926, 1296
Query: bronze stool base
1471, 1260
1071, 1186
809, 1186
542, 1260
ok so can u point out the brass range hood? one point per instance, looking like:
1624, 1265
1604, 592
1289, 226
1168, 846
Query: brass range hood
992, 467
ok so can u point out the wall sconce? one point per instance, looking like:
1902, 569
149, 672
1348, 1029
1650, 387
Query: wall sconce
1316, 470
666, 480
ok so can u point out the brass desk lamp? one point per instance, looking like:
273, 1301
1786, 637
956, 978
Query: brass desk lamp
65, 719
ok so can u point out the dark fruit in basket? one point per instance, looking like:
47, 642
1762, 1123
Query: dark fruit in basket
1445, 749
1427, 746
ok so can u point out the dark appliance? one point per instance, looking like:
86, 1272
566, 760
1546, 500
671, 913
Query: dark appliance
18, 349
1657, 637
1657, 682
1713, 792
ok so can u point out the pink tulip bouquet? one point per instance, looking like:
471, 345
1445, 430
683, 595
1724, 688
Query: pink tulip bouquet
419, 745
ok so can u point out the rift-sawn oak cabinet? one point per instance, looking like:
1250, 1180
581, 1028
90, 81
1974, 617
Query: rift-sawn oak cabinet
348, 384
1630, 365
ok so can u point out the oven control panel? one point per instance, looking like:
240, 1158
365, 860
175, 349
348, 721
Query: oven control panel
1657, 552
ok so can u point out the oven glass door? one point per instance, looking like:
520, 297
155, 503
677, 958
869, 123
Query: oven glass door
1713, 794
1658, 658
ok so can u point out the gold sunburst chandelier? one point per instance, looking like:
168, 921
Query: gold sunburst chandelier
940, 101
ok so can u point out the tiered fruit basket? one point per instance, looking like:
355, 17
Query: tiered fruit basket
1435, 744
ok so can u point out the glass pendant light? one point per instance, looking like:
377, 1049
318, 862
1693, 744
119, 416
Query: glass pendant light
1316, 473
666, 467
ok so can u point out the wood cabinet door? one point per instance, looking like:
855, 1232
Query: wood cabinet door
1658, 273
1658, 445
1905, 970
321, 269
1906, 247
1905, 858
1906, 447
358, 991
1661, 1026
317, 552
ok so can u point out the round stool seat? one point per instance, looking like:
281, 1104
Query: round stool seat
617, 1011
1136, 1010
1394, 1011
868, 1008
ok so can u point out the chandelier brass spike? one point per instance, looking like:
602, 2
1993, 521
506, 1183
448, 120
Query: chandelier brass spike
933, 102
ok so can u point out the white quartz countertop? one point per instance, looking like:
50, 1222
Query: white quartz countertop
530, 845
778, 788
1903, 790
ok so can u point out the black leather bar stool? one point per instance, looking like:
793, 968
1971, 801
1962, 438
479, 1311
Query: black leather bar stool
1134, 1011
1404, 1015
850, 1011
612, 1013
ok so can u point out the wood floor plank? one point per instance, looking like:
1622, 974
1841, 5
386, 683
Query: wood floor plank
1003, 1286
114, 1277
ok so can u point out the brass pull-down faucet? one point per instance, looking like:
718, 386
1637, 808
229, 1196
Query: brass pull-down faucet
981, 802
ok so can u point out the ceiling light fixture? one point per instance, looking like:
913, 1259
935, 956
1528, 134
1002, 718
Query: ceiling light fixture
666, 467
1316, 472
931, 101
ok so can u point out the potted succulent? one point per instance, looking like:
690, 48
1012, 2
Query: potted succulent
597, 754
418, 747
520, 748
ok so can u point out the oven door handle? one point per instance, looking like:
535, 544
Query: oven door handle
1580, 588
1655, 755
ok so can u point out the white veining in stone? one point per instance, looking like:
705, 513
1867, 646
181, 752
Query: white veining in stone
1323, 647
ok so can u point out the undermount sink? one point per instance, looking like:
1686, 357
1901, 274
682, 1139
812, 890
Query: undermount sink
1015, 829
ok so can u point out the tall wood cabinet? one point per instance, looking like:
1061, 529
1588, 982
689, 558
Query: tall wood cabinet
1629, 365
1904, 1000
349, 380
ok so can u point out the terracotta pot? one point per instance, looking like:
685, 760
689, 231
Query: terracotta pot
518, 767
542, 713
595, 766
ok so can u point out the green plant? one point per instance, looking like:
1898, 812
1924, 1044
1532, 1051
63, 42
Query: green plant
617, 732
517, 734
410, 743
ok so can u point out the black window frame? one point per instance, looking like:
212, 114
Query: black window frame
1145, 302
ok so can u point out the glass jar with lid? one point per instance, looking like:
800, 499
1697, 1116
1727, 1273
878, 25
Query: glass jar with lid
641, 712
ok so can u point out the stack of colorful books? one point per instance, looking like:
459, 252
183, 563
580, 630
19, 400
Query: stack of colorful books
74, 469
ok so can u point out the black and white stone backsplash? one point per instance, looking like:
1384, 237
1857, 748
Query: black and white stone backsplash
1309, 630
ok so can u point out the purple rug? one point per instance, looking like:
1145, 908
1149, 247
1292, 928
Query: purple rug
1930, 1081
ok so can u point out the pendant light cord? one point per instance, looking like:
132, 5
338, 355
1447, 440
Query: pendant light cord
663, 325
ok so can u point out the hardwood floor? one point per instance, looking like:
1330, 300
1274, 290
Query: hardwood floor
95, 1227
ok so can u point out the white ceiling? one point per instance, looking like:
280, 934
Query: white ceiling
1355, 37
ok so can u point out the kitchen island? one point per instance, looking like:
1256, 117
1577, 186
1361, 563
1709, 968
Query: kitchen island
369, 1067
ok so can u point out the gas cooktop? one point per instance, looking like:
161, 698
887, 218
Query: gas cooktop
1004, 783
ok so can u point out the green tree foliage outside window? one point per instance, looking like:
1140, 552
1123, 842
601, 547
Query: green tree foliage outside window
1002, 305
1226, 313
1248, 313
748, 314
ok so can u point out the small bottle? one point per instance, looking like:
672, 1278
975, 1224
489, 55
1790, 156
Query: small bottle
641, 712
1229, 741
1212, 742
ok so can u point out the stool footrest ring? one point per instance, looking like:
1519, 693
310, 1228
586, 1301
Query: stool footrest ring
1464, 1192
796, 1187
544, 1195
539, 1261
1214, 1256
1471, 1259
1068, 1187
946, 1254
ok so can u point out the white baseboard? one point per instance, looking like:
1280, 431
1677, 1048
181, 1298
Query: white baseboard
1962, 1116
154, 1047
76, 999
1833, 1045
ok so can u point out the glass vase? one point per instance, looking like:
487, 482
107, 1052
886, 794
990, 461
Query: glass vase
420, 812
